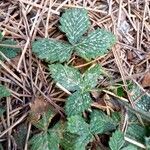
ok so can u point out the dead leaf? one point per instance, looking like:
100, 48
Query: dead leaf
38, 107
146, 80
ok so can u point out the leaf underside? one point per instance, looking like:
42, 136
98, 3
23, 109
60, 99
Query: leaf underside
95, 44
74, 22
51, 50
77, 103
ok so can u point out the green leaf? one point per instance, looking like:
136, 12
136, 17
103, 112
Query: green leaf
1, 36
117, 140
77, 125
9, 51
136, 132
2, 110
4, 92
100, 122
77, 103
20, 135
130, 147
68, 77
74, 22
91, 76
46, 140
51, 50
95, 44
1, 147
43, 123
116, 116
69, 141
147, 142
143, 102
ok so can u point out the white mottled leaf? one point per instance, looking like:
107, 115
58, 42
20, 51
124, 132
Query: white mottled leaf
9, 52
117, 140
45, 141
68, 77
91, 76
77, 125
51, 50
77, 103
95, 44
74, 22
4, 92
100, 122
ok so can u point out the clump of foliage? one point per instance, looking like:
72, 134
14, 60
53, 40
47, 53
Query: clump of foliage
74, 22
83, 123
78, 131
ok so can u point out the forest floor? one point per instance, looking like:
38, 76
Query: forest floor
28, 79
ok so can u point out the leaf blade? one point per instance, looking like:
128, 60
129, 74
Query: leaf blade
74, 22
91, 76
4, 92
48, 140
77, 125
51, 50
9, 52
100, 122
68, 77
77, 103
95, 44
117, 140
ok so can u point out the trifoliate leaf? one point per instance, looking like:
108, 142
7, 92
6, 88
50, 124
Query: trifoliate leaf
77, 103
9, 52
74, 22
95, 44
136, 132
77, 125
4, 92
68, 77
51, 50
2, 110
100, 122
117, 140
45, 140
91, 76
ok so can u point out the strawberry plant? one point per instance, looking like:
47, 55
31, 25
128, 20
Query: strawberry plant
83, 123
74, 23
